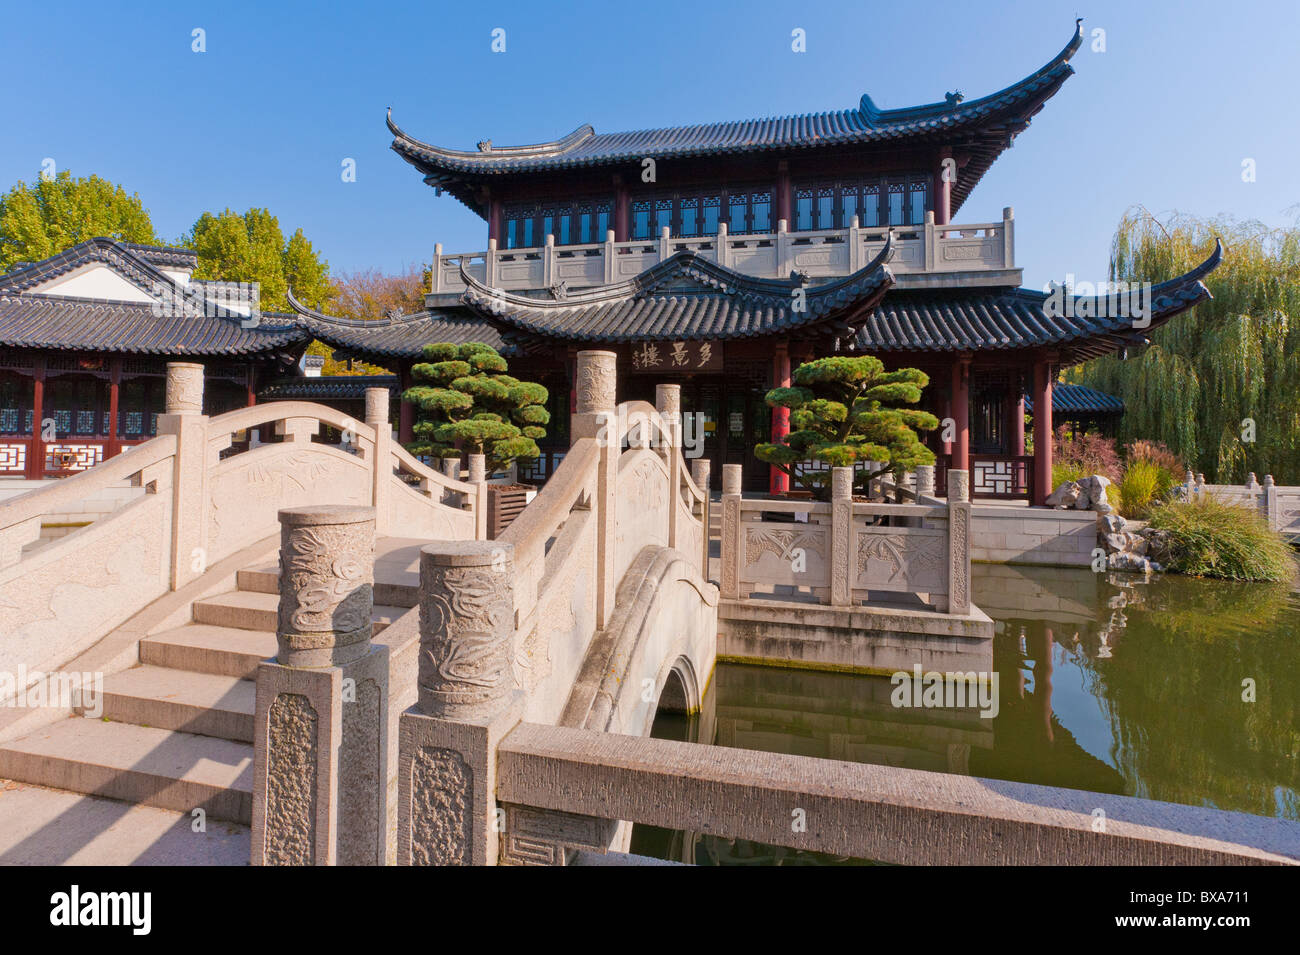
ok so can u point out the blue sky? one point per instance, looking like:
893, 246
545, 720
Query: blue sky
285, 92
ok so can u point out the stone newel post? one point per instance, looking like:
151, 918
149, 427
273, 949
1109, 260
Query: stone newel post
184, 418
597, 417
730, 571
466, 628
700, 475
668, 402
320, 735
959, 531
925, 480
841, 537
447, 812
381, 469
482, 501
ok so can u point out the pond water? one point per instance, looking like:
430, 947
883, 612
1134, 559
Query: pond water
1107, 682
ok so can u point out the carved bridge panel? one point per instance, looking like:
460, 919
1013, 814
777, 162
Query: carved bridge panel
901, 559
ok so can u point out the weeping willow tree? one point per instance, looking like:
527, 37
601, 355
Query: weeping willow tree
1229, 370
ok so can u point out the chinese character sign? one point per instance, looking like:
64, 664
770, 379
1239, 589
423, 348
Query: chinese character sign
682, 357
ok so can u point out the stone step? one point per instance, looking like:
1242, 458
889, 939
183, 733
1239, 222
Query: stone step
248, 610
182, 700
137, 764
265, 579
203, 648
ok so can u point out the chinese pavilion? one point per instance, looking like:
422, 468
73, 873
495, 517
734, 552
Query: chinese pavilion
719, 255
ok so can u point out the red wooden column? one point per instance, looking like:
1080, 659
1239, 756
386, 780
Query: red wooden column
250, 385
1044, 371
1017, 424
784, 196
961, 413
406, 416
780, 481
622, 212
494, 218
36, 450
114, 444
571, 373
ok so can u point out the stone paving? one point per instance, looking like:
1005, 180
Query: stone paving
40, 826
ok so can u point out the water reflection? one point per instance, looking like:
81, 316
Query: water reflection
1171, 688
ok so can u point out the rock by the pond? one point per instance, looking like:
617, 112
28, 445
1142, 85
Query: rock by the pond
1159, 543
1064, 496
1123, 560
1111, 523
1093, 488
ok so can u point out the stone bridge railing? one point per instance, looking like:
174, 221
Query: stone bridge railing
1280, 506
844, 551
206, 497
579, 614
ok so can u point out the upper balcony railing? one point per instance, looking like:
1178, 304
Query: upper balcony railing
926, 249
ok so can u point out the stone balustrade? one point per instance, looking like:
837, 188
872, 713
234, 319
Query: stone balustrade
925, 249
1280, 506
842, 551
208, 491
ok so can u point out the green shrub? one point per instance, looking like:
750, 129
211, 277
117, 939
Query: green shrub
1144, 484
1211, 539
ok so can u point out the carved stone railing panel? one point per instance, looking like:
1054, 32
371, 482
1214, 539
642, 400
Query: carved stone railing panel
900, 559
247, 491
794, 554
643, 502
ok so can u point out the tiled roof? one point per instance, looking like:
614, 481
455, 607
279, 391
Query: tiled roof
339, 387
181, 320
1020, 318
688, 297
1079, 399
401, 335
52, 321
1004, 113
139, 265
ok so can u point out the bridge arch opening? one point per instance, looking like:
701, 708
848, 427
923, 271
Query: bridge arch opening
677, 712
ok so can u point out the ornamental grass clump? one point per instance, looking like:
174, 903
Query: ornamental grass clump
1144, 485
842, 413
1208, 538
468, 402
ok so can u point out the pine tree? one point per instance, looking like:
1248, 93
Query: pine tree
467, 397
842, 413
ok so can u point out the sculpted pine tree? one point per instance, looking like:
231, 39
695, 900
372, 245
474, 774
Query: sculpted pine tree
467, 397
843, 412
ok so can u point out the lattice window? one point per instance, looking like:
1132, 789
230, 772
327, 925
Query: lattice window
832, 205
143, 366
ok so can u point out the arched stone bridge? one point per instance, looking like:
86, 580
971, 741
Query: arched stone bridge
398, 688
